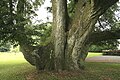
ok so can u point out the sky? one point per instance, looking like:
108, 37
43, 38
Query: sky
43, 13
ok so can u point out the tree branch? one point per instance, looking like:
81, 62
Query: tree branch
104, 35
103, 4
101, 26
100, 6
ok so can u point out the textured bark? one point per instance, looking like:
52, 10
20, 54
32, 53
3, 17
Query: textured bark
42, 57
59, 40
86, 14
69, 48
27, 52
45, 58
81, 27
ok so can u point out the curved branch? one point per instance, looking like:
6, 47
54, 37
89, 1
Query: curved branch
101, 26
103, 4
100, 6
27, 50
104, 35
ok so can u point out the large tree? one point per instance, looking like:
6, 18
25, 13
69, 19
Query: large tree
73, 31
72, 37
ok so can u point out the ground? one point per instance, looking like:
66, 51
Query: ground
113, 59
14, 67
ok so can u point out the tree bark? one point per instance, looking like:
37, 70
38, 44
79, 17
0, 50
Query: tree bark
85, 17
69, 48
27, 53
42, 56
59, 30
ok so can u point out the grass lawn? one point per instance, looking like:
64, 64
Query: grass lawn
91, 54
14, 67
93, 71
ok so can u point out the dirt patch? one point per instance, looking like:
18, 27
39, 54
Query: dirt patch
115, 59
32, 76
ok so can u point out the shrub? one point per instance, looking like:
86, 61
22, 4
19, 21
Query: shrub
111, 52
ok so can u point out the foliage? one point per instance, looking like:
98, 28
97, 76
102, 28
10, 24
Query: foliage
108, 21
111, 52
15, 49
40, 33
15, 15
104, 45
4, 47
16, 25
71, 7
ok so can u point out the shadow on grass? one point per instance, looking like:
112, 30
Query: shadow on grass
93, 71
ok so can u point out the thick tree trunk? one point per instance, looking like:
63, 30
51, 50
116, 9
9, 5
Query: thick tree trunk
69, 48
27, 53
84, 19
59, 29
42, 57
82, 26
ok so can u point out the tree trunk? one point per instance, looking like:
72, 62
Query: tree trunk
42, 56
59, 29
69, 47
27, 53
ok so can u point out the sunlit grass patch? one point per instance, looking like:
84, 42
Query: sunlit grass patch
91, 54
13, 66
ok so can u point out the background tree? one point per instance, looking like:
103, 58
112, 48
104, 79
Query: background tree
104, 45
4, 47
15, 17
107, 22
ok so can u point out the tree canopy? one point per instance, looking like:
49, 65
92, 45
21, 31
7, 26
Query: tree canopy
15, 17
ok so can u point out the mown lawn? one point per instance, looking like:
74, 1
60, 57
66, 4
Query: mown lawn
14, 67
91, 54
93, 71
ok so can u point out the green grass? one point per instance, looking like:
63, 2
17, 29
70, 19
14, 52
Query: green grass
91, 54
14, 67
93, 71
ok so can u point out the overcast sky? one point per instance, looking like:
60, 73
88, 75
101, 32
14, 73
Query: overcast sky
43, 13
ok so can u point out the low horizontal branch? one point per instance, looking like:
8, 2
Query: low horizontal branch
104, 35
